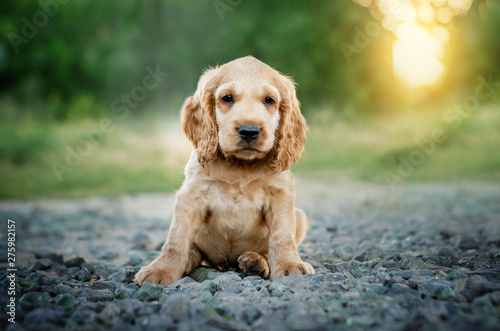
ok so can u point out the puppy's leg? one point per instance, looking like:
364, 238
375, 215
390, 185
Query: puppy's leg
178, 256
254, 264
193, 261
288, 227
300, 225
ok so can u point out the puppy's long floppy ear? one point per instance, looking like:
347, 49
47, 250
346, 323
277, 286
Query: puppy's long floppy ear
198, 118
292, 131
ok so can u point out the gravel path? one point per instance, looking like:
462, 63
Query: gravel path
426, 256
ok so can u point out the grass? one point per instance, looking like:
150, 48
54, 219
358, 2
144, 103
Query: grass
134, 157
148, 155
373, 148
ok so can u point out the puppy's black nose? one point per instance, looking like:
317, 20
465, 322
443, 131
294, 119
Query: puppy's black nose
248, 133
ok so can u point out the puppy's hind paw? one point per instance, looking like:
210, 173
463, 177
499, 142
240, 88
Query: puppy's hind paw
253, 264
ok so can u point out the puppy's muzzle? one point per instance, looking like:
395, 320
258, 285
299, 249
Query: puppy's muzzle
249, 133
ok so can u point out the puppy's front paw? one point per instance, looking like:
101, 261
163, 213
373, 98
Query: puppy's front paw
254, 264
154, 274
285, 269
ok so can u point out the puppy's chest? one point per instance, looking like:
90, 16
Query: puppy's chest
236, 206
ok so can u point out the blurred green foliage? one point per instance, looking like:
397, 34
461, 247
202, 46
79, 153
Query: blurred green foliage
85, 54
67, 65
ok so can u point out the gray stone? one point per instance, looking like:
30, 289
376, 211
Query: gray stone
44, 318
129, 309
479, 289
109, 315
40, 278
251, 313
227, 283
339, 267
149, 308
444, 261
264, 292
305, 321
448, 252
399, 289
74, 262
368, 255
150, 292
436, 289
276, 290
213, 274
475, 280
134, 259
123, 292
272, 321
42, 264
103, 285
97, 295
24, 282
329, 277
83, 275
103, 271
158, 322
200, 274
254, 280
90, 266
290, 281
66, 301
55, 290
219, 323
413, 263
469, 241
81, 319
35, 299
45, 254
182, 281
456, 274
123, 275
177, 306
377, 288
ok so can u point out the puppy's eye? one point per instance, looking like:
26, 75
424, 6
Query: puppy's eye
228, 98
269, 101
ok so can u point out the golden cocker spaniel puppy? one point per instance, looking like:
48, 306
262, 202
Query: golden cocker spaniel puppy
236, 205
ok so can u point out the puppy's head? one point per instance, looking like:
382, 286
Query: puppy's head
245, 110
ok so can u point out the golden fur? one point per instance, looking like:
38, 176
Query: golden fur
236, 206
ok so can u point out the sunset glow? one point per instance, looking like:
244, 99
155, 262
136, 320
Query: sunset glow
417, 56
422, 30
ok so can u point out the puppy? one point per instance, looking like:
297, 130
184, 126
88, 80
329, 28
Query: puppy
236, 206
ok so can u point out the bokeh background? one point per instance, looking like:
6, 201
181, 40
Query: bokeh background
393, 91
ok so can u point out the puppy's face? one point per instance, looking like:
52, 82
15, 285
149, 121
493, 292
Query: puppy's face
247, 115
247, 110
